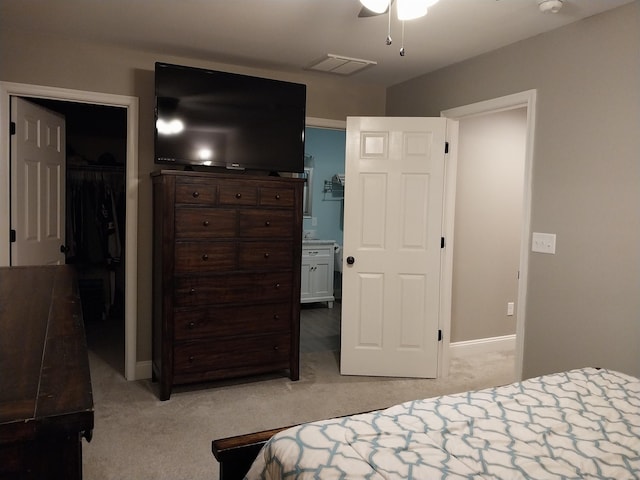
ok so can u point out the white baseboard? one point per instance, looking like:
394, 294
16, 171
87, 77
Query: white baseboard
143, 370
482, 345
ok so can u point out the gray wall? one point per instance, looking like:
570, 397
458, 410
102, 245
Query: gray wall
583, 304
57, 62
488, 224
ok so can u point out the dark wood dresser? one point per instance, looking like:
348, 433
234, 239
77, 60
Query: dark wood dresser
226, 281
46, 402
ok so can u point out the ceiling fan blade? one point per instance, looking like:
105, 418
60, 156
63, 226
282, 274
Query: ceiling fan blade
365, 12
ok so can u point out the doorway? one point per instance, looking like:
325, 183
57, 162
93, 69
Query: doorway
95, 230
525, 102
130, 106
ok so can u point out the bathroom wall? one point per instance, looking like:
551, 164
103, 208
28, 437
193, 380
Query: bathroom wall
326, 148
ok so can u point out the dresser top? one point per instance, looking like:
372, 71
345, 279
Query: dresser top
229, 174
43, 353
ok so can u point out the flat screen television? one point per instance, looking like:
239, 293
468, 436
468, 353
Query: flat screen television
221, 119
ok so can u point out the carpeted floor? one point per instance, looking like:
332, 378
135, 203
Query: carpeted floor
136, 436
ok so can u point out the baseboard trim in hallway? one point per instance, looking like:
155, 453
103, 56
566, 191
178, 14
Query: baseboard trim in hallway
482, 345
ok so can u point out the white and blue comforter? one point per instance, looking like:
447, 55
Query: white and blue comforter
581, 424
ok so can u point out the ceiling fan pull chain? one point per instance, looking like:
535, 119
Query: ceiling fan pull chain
389, 41
402, 43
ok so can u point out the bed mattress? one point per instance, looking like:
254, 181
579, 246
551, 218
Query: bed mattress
582, 424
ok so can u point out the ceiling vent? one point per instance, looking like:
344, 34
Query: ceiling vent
341, 65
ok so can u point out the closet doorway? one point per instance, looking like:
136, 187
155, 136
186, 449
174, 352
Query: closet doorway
128, 105
95, 214
95, 230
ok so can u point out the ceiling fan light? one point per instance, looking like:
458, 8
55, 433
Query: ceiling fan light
377, 6
410, 9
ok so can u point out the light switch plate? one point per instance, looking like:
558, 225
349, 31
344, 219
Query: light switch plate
543, 242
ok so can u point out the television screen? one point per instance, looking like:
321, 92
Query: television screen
221, 119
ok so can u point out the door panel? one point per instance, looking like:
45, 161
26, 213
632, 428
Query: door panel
393, 225
37, 184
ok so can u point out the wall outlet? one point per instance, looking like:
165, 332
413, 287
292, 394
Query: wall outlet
510, 308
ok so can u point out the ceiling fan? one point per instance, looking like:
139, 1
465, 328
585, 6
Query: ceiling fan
407, 9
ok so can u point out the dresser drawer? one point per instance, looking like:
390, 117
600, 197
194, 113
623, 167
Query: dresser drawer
194, 222
264, 255
259, 351
233, 288
236, 194
277, 197
200, 257
196, 191
228, 321
317, 251
266, 223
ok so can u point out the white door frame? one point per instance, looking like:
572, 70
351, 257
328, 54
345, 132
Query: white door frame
8, 89
525, 99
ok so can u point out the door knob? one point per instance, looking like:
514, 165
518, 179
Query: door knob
351, 260
64, 249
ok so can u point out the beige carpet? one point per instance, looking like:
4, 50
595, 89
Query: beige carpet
138, 437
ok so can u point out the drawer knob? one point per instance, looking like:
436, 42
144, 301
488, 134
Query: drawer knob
192, 291
205, 223
277, 285
205, 257
267, 223
277, 196
196, 194
238, 195
266, 255
192, 325
276, 348
276, 316
191, 359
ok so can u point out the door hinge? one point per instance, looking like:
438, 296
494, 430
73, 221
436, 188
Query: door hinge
446, 147
441, 242
439, 335
12, 236
12, 128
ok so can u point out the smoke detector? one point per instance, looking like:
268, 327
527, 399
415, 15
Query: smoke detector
549, 6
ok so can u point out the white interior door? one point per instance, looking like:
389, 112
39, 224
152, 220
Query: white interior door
392, 231
37, 184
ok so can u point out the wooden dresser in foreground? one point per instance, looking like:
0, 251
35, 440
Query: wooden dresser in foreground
226, 282
46, 401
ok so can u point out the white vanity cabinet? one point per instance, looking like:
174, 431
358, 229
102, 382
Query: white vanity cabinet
317, 272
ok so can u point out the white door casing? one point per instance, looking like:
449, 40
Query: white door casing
525, 99
38, 153
394, 204
133, 369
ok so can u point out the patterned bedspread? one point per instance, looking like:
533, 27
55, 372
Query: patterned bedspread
581, 424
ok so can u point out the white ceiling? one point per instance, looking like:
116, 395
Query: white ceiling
292, 34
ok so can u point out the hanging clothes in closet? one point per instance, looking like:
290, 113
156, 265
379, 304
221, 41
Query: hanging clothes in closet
95, 222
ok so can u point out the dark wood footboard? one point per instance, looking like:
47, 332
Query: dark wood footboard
236, 454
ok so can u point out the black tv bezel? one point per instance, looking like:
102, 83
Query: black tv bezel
261, 164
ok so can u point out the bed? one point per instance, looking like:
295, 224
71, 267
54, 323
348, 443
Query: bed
584, 423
